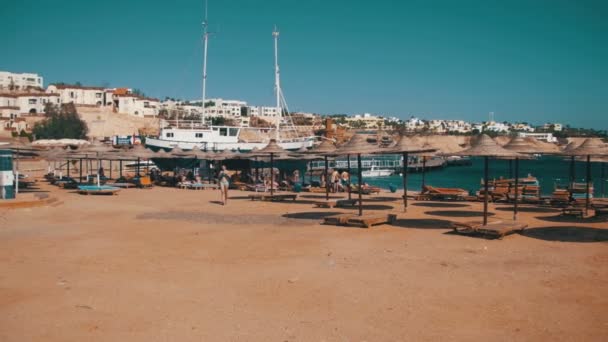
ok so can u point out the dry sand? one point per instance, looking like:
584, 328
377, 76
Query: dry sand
173, 265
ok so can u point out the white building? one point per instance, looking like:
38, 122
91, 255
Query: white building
557, 127
414, 124
18, 104
226, 108
548, 137
523, 127
368, 120
136, 105
79, 95
262, 111
19, 81
494, 126
458, 126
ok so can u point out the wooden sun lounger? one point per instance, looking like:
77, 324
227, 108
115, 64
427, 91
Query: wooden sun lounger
203, 186
433, 193
336, 203
275, 197
365, 221
574, 211
496, 229
314, 189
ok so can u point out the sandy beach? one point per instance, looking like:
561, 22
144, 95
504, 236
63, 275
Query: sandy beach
166, 264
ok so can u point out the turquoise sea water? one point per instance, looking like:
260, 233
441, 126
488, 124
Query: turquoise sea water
548, 170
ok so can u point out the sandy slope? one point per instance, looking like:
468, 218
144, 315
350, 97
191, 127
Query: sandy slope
172, 265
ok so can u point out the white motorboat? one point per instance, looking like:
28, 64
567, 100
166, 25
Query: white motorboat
375, 172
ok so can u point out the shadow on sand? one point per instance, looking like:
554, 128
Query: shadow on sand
422, 223
571, 219
370, 207
313, 215
567, 234
440, 205
529, 209
378, 198
320, 196
457, 213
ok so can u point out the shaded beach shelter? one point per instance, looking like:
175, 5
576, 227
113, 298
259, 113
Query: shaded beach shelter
325, 148
274, 150
486, 147
571, 146
590, 147
302, 154
18, 147
405, 146
602, 161
98, 149
428, 152
357, 145
520, 145
138, 152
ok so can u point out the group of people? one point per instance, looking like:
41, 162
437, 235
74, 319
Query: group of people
337, 181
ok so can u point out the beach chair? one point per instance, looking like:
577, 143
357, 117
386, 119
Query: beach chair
365, 221
365, 189
560, 197
272, 198
497, 229
143, 182
440, 194
336, 203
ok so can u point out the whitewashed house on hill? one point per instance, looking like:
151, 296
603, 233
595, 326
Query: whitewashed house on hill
79, 95
19, 81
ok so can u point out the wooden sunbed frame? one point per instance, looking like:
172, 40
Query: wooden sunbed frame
275, 197
366, 221
336, 203
433, 193
496, 229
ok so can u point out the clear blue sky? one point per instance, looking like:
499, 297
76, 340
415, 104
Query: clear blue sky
527, 60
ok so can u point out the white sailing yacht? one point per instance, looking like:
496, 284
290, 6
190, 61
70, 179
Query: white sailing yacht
188, 134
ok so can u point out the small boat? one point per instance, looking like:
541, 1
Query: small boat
375, 172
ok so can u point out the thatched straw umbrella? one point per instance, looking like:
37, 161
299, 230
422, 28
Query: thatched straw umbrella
272, 149
405, 146
139, 152
486, 147
590, 147
519, 145
325, 148
571, 146
602, 161
98, 149
357, 145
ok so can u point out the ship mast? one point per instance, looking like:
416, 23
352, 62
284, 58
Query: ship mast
277, 81
205, 40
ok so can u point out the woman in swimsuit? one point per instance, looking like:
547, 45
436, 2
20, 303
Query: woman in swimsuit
224, 180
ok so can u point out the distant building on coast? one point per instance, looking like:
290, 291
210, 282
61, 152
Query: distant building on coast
12, 81
78, 95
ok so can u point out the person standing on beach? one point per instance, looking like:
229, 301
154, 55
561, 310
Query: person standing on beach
224, 180
335, 180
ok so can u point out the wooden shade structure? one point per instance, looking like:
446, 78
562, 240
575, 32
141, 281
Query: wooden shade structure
590, 147
486, 147
325, 149
406, 146
357, 145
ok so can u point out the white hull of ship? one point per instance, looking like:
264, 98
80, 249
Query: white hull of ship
376, 173
292, 145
